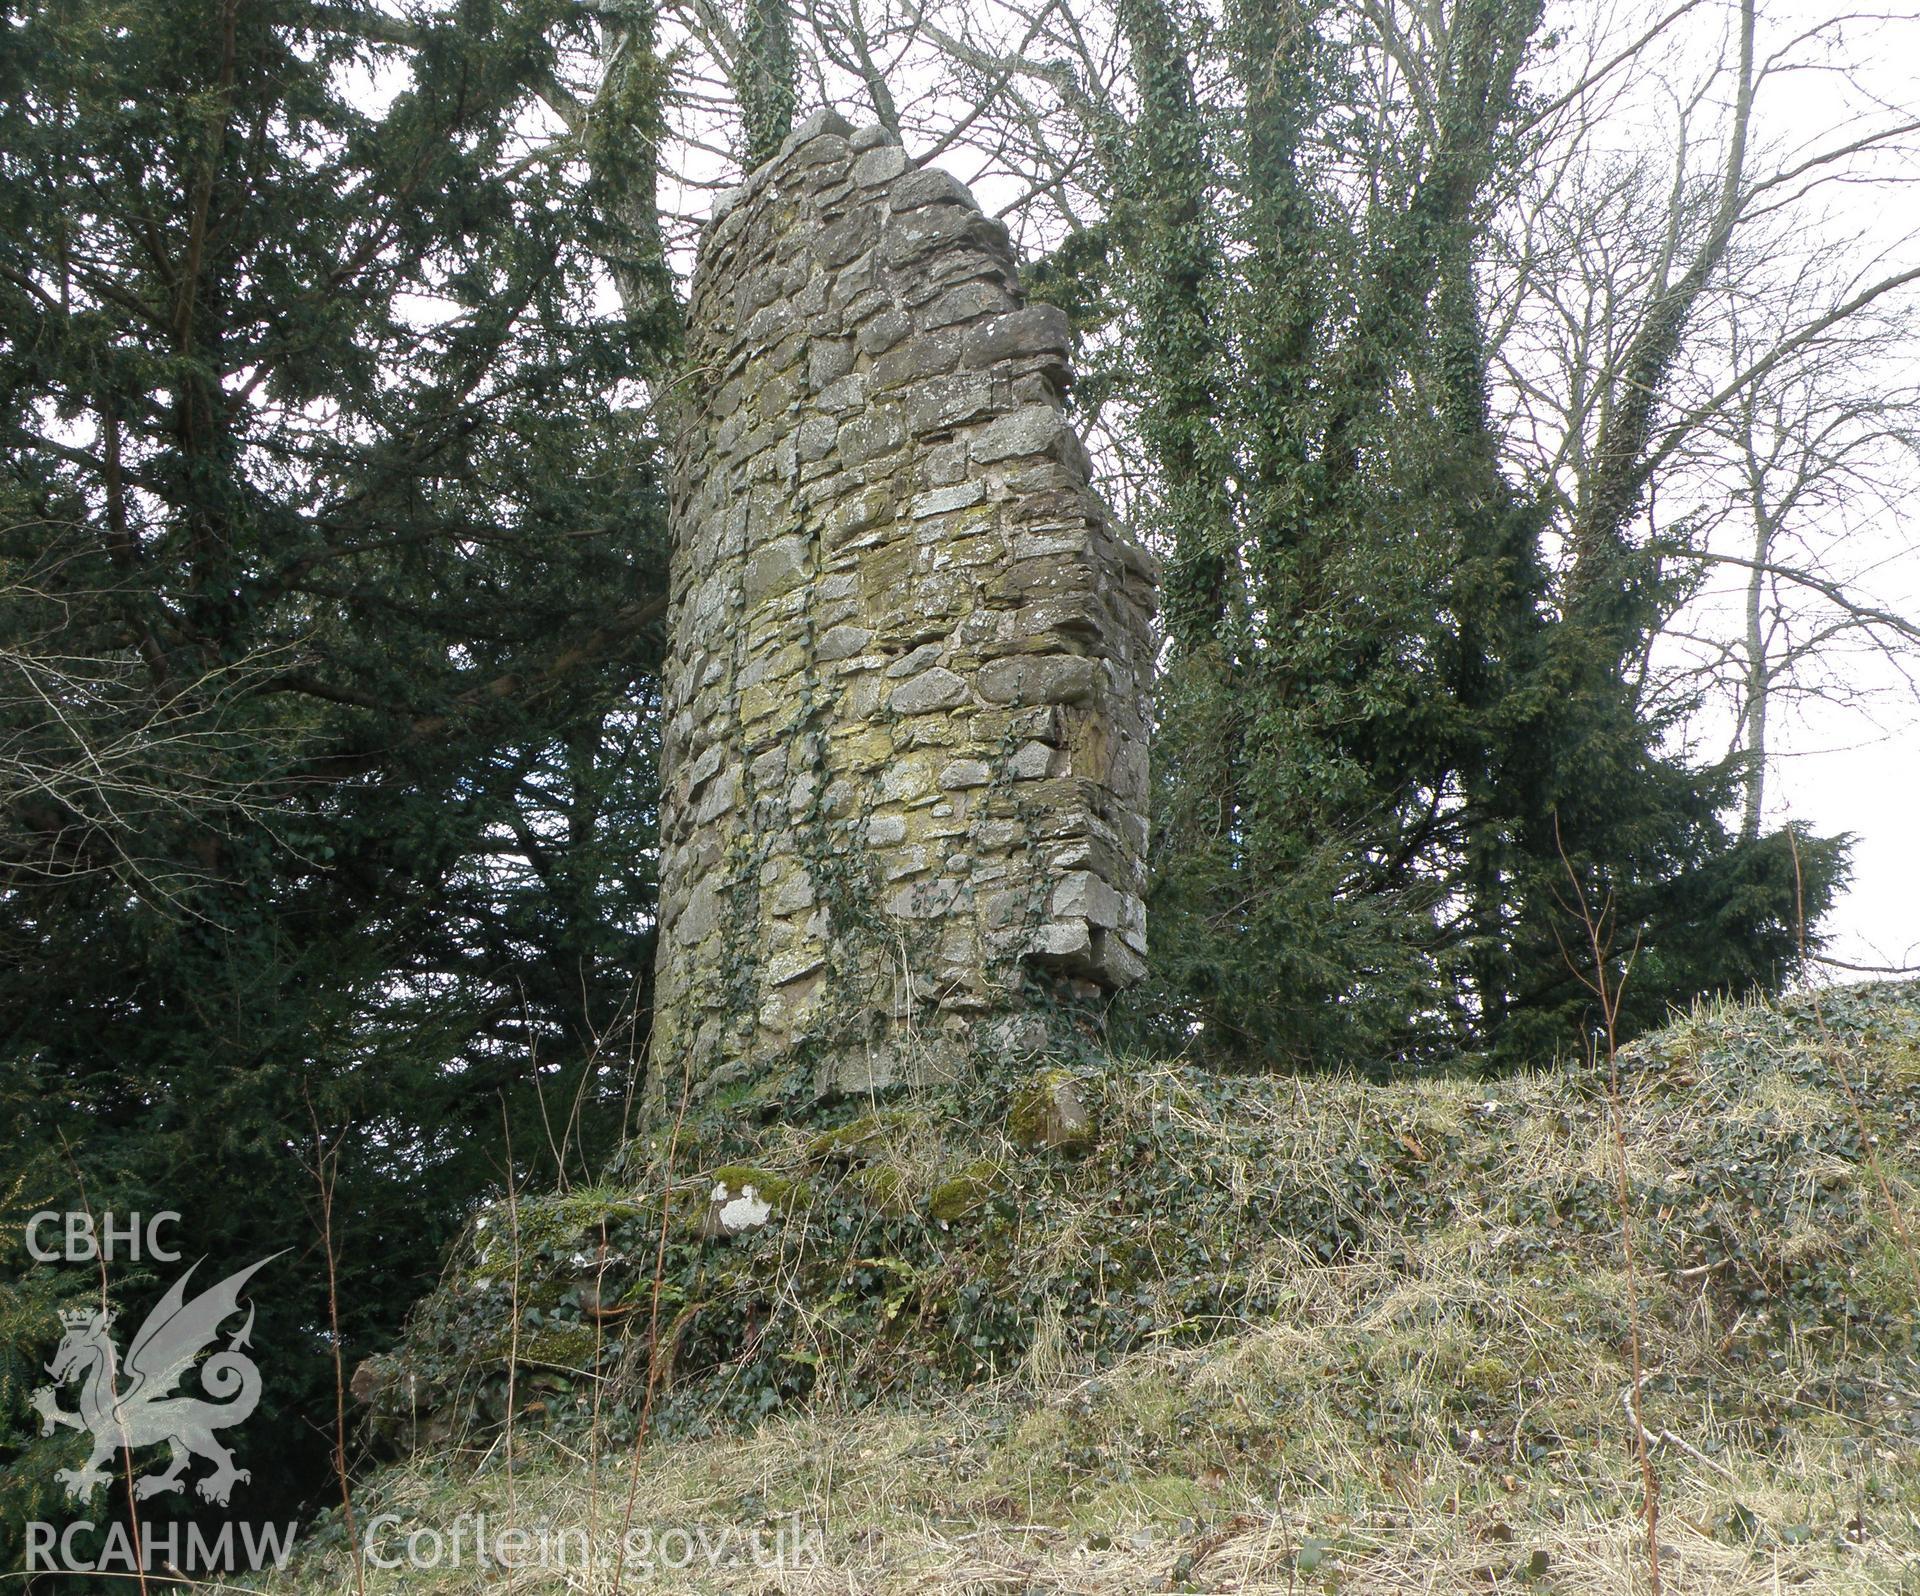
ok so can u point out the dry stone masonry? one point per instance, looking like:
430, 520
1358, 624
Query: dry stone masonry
905, 752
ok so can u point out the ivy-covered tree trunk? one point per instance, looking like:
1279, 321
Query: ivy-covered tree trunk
1166, 224
1389, 727
765, 79
624, 130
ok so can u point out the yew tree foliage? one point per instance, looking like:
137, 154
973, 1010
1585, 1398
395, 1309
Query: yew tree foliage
1403, 710
331, 550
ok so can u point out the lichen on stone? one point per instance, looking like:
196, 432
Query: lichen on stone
742, 1198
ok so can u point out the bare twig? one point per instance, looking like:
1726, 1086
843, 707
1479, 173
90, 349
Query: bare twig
645, 1421
126, 1450
1599, 942
326, 1171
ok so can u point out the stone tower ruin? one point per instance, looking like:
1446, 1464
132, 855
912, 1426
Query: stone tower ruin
905, 759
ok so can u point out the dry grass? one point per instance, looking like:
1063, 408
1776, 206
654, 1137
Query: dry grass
975, 1498
1446, 1410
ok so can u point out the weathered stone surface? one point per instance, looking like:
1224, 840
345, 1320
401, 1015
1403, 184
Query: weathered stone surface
937, 688
904, 755
1050, 1112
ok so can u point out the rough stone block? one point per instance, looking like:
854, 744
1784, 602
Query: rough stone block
775, 568
940, 500
878, 165
930, 690
965, 773
928, 186
880, 333
842, 642
963, 303
1036, 330
1039, 679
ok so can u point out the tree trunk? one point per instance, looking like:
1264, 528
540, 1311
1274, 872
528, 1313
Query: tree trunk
1759, 680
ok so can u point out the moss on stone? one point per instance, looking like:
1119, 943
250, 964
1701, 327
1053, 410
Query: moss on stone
561, 1343
551, 1224
1048, 1112
964, 1191
859, 1136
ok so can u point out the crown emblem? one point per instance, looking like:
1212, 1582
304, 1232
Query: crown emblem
76, 1318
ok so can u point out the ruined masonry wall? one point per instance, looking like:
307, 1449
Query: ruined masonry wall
905, 750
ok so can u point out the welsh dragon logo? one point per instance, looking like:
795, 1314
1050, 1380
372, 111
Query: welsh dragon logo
146, 1412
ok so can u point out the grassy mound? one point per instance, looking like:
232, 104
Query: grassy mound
1251, 1334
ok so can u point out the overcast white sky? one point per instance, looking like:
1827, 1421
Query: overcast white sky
1868, 790
1857, 769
